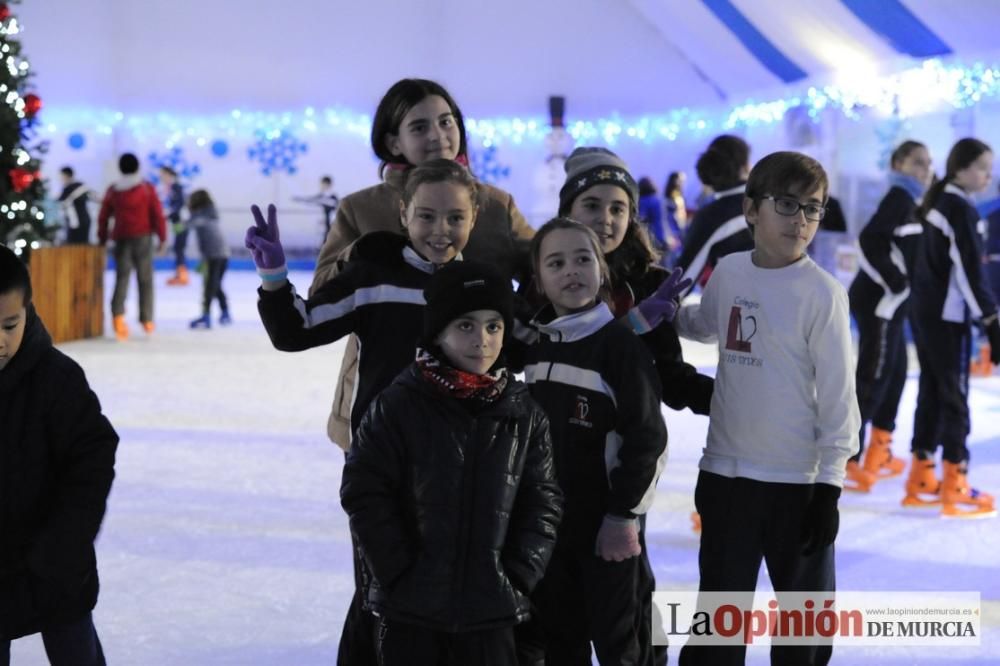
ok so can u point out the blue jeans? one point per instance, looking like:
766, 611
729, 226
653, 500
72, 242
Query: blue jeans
72, 644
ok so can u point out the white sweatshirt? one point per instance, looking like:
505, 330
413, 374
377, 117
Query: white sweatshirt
784, 407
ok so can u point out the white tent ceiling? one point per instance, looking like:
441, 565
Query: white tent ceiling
629, 56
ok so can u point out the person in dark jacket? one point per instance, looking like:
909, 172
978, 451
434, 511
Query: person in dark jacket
598, 384
878, 297
949, 292
57, 454
450, 485
719, 227
73, 200
173, 202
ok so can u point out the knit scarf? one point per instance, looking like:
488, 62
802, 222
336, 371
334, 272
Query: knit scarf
913, 186
448, 380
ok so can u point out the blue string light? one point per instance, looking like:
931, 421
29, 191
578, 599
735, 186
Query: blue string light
905, 94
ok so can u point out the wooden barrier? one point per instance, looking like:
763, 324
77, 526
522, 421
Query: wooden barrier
68, 286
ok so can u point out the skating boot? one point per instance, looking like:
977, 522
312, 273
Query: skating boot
696, 522
858, 479
959, 499
982, 367
202, 322
879, 460
922, 487
180, 277
121, 328
149, 327
225, 319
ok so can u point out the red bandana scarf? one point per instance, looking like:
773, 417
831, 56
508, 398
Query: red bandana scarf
482, 389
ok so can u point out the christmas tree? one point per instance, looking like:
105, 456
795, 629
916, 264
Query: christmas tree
22, 218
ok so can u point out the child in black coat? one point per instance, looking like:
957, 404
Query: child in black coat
57, 455
450, 485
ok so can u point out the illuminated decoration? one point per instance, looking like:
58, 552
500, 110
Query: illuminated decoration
905, 94
176, 160
220, 148
484, 163
76, 141
22, 216
276, 150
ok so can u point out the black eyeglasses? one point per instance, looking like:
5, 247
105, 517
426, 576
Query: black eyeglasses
789, 207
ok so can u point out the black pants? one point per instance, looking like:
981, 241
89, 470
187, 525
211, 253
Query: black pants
942, 415
742, 522
214, 270
584, 599
357, 638
401, 644
72, 644
180, 246
881, 372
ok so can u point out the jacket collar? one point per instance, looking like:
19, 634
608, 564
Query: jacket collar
411, 257
955, 189
128, 182
511, 401
739, 189
576, 326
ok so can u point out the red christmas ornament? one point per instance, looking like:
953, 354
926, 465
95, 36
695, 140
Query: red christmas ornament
21, 179
4, 11
32, 104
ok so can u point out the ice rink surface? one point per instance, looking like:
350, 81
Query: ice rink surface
225, 543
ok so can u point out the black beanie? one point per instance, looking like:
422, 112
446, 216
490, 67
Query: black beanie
459, 287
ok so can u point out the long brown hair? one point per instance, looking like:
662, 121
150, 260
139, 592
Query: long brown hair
962, 154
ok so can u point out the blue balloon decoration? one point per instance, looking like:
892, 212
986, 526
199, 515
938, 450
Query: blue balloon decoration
76, 141
220, 148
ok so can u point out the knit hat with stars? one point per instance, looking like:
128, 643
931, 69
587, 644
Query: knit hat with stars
589, 166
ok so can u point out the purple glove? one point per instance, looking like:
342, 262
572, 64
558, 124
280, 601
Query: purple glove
264, 243
661, 306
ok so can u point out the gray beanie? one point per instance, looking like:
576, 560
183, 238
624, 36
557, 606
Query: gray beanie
589, 166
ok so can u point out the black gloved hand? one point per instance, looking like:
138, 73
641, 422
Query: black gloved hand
896, 283
821, 520
993, 335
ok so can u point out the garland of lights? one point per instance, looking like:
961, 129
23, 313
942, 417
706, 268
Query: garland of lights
905, 94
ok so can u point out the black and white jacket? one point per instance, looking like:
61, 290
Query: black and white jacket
378, 295
948, 283
596, 380
883, 283
718, 228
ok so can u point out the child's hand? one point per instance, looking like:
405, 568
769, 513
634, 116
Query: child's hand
264, 243
662, 305
618, 539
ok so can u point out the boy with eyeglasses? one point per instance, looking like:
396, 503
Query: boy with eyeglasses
784, 415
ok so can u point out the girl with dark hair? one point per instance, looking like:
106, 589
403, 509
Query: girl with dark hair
416, 121
949, 293
676, 208
651, 211
214, 253
878, 298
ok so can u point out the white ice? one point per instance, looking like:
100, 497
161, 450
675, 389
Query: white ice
225, 543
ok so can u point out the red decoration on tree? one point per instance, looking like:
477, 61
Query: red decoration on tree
21, 179
32, 104
4, 11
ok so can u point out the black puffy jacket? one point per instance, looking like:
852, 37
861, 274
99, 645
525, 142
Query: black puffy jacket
456, 513
57, 455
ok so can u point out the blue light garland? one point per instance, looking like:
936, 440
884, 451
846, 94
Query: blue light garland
905, 94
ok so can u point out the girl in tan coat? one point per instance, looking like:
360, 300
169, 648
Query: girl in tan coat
416, 121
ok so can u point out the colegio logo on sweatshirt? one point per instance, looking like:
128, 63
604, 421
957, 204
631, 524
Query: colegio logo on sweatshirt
581, 413
741, 330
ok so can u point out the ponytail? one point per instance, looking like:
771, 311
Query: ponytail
962, 154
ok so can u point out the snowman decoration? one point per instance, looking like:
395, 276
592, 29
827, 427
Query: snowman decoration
550, 176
